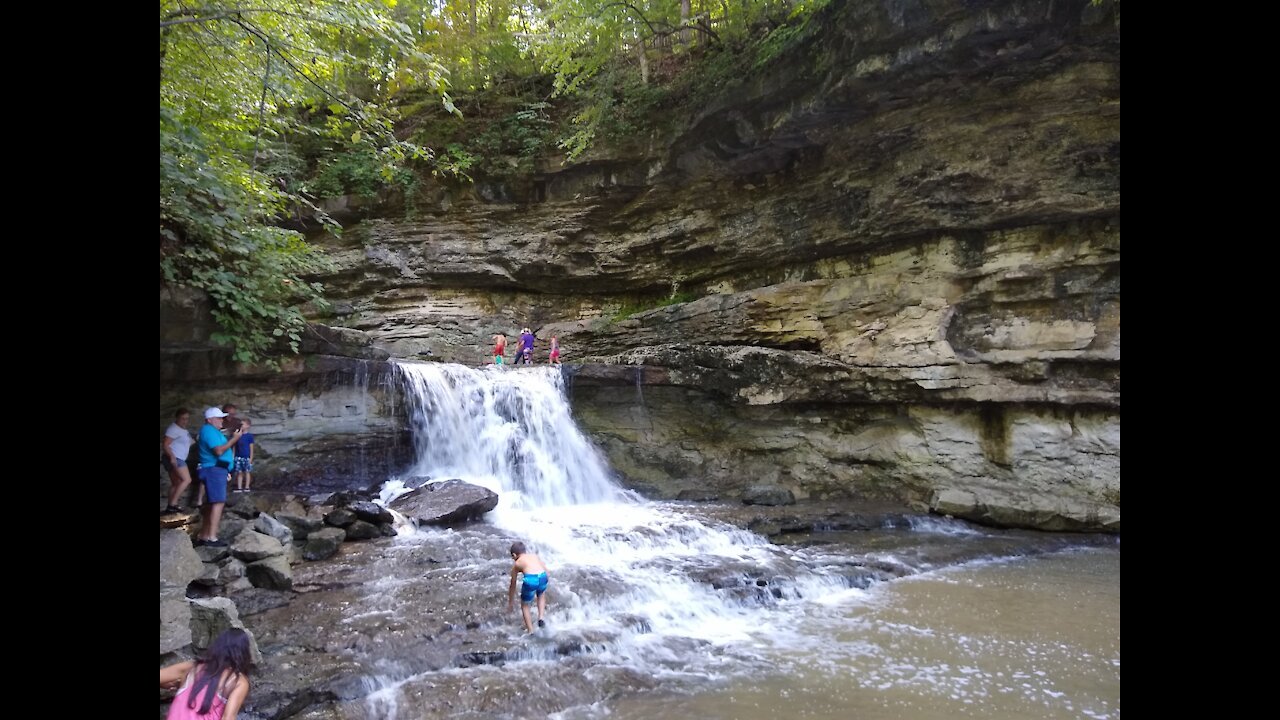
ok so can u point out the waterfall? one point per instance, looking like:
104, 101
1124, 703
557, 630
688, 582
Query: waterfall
614, 557
509, 430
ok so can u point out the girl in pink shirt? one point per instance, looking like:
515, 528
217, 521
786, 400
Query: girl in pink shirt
214, 687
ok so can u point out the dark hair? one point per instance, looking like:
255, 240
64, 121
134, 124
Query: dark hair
228, 651
517, 548
228, 407
181, 412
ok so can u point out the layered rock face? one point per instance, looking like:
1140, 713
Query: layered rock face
888, 267
331, 419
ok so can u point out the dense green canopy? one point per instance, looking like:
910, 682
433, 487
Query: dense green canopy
268, 106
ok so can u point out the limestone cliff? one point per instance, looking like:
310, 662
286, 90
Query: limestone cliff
890, 268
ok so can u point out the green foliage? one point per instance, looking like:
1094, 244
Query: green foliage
595, 51
246, 94
776, 43
360, 171
503, 135
632, 307
454, 162
212, 238
522, 135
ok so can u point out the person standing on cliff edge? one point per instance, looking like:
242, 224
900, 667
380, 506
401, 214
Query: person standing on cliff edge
499, 348
524, 353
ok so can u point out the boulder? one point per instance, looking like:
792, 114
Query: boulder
179, 561
370, 512
361, 530
323, 544
272, 573
268, 525
299, 524
210, 617
342, 517
446, 502
251, 545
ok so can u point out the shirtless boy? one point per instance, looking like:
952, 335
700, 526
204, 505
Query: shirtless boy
535, 583
499, 348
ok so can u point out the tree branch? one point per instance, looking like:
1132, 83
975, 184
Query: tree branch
191, 17
287, 61
657, 28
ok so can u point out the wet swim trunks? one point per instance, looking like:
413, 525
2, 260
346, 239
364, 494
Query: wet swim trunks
533, 585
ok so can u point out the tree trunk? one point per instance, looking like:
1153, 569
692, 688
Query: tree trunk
684, 18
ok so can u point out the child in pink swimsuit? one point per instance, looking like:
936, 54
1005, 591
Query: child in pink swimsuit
215, 687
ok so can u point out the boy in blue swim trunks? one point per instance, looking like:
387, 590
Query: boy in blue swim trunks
535, 584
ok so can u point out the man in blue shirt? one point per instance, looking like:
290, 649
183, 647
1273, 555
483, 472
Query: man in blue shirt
217, 455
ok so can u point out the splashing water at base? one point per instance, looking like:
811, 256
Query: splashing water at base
512, 432
647, 594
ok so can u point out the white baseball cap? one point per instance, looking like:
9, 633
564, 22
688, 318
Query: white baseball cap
213, 412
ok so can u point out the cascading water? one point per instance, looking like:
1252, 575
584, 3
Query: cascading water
512, 431
650, 602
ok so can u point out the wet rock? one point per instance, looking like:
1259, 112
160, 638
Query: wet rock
698, 495
1002, 507
446, 502
230, 527
350, 687
175, 623
241, 505
862, 578
273, 573
892, 568
327, 498
361, 530
342, 517
370, 512
254, 600
288, 704
268, 525
486, 657
291, 684
210, 576
231, 570
324, 543
251, 545
212, 616
239, 585
180, 563
212, 554
344, 341
299, 524
766, 494
387, 530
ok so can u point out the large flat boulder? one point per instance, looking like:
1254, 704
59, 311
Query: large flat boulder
442, 503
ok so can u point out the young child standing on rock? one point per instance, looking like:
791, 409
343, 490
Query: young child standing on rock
535, 584
244, 457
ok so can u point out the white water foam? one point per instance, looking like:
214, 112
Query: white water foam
512, 431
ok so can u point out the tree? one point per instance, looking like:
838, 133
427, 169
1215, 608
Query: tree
235, 82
